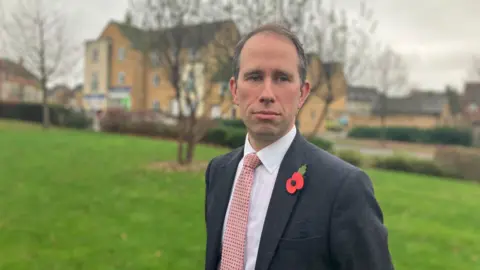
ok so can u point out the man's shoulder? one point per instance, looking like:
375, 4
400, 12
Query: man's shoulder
322, 156
328, 165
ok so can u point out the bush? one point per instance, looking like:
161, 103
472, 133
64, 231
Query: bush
353, 157
322, 143
412, 165
230, 137
236, 137
440, 135
33, 112
144, 124
235, 123
216, 136
463, 162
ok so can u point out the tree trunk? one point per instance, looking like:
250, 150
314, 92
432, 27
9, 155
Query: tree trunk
383, 121
328, 100
383, 135
180, 139
320, 121
191, 142
46, 111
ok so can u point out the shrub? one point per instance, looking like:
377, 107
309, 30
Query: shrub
236, 138
144, 124
440, 135
412, 165
463, 162
33, 112
216, 136
322, 143
351, 156
235, 123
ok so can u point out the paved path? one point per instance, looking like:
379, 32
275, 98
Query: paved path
380, 151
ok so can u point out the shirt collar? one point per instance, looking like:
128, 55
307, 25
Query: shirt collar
272, 155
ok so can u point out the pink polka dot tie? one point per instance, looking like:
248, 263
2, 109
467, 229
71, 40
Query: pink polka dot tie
233, 248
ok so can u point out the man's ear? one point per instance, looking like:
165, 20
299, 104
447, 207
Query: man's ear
233, 90
304, 93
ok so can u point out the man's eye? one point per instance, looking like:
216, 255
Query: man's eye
255, 77
283, 78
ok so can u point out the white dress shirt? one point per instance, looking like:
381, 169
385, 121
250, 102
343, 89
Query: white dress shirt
264, 181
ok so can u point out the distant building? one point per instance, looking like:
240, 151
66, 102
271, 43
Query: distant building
119, 74
18, 84
360, 99
64, 95
420, 108
471, 102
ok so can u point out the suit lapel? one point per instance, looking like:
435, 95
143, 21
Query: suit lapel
281, 203
224, 178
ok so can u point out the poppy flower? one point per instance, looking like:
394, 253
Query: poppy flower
295, 183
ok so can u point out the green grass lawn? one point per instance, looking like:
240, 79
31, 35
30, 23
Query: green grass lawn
80, 200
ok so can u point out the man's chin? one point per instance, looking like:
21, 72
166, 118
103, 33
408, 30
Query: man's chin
265, 131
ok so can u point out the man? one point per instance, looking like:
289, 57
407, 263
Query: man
257, 216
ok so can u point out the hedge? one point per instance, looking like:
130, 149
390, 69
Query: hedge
463, 162
440, 135
33, 112
413, 165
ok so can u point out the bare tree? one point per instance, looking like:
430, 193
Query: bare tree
37, 32
192, 51
390, 74
327, 33
343, 43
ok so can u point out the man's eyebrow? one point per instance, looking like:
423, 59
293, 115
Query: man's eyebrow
282, 72
252, 72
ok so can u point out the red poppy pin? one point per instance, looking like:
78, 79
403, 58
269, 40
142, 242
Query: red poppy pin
295, 182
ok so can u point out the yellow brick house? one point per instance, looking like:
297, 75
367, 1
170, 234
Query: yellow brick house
119, 72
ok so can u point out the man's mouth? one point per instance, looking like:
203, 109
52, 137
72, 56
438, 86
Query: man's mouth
266, 115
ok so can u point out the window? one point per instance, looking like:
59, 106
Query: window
121, 54
94, 82
174, 107
192, 54
156, 105
95, 55
224, 89
154, 59
190, 85
472, 108
121, 78
216, 112
156, 80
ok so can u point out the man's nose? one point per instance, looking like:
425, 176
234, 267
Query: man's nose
267, 92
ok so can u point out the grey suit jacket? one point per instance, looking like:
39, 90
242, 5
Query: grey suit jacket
333, 223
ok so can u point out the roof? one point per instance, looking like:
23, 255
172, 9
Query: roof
189, 35
417, 103
362, 94
16, 69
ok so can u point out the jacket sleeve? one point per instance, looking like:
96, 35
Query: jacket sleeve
358, 236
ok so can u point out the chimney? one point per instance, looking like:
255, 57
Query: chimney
20, 61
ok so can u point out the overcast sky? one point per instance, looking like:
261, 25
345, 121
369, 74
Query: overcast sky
437, 37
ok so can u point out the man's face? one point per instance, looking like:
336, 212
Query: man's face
268, 91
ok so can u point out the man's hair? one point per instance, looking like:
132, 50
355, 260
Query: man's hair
279, 30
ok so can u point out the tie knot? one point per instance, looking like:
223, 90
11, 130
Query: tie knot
252, 161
